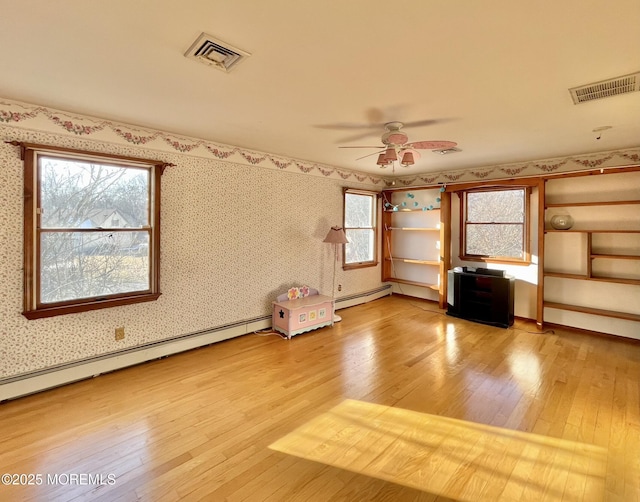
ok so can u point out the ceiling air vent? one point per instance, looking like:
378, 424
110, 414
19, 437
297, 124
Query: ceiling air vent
216, 53
606, 88
447, 151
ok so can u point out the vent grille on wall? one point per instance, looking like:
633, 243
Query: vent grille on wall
215, 53
606, 88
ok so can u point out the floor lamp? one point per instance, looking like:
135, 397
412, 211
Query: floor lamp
335, 236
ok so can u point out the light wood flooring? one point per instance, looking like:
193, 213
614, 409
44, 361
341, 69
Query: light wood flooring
215, 423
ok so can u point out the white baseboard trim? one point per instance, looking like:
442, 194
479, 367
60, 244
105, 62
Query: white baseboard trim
36, 381
415, 291
353, 300
79, 370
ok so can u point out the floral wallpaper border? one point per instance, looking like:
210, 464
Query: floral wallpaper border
29, 116
600, 160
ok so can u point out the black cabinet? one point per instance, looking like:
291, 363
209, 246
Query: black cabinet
481, 297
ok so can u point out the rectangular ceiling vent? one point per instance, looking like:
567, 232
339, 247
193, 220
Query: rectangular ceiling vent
216, 53
606, 88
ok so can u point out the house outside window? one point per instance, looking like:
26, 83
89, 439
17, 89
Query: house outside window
495, 225
91, 231
360, 225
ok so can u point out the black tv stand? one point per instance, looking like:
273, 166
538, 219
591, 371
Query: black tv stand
481, 297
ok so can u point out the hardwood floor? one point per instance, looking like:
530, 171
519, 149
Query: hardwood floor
205, 425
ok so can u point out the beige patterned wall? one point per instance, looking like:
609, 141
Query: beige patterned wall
234, 235
238, 228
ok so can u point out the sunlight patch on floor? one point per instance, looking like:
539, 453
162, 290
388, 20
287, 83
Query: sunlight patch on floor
448, 457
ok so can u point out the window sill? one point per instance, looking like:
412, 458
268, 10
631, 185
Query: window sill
352, 266
506, 261
56, 310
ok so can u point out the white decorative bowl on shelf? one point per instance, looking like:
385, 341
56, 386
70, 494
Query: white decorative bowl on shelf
562, 222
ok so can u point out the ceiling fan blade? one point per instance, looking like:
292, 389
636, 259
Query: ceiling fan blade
375, 120
378, 146
359, 136
371, 154
431, 145
346, 126
419, 123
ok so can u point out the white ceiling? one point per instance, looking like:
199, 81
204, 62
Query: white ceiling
494, 73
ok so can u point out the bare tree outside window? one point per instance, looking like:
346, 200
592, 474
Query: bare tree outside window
495, 224
89, 233
92, 197
360, 228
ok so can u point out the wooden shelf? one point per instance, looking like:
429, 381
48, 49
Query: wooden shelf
417, 262
604, 203
591, 231
417, 229
412, 210
588, 310
617, 280
564, 275
435, 287
615, 256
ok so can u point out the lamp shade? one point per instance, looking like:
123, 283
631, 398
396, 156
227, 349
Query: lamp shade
390, 155
336, 235
407, 159
381, 160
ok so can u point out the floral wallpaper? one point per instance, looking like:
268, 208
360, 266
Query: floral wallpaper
234, 236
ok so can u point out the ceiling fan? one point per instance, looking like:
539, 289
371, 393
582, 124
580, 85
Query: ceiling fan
398, 148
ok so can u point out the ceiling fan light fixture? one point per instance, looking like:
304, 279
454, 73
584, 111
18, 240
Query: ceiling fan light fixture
397, 138
390, 155
398, 148
381, 161
407, 159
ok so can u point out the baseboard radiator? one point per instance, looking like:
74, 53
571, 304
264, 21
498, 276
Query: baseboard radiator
39, 380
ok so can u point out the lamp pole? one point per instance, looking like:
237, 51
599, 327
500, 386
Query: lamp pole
335, 236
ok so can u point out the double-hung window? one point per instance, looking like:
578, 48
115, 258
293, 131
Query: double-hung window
360, 225
495, 225
91, 231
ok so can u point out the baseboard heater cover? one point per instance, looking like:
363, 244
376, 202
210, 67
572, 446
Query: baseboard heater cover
55, 376
356, 299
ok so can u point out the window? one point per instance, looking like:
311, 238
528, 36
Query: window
91, 231
495, 225
360, 209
